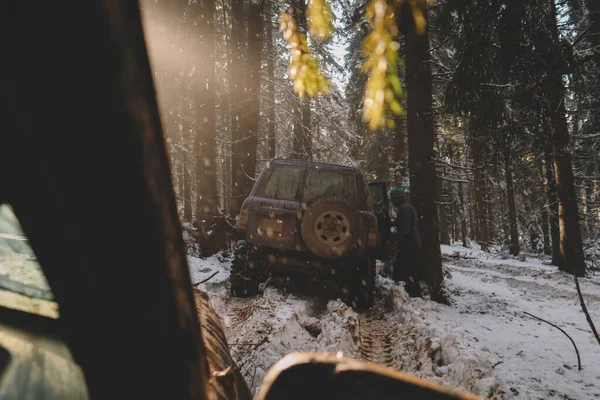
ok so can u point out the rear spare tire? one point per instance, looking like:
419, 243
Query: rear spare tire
330, 228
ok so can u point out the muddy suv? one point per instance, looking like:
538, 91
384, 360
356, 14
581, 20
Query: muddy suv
307, 219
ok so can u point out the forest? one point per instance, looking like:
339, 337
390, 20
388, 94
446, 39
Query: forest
487, 111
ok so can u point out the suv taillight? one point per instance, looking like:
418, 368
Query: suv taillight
373, 238
242, 220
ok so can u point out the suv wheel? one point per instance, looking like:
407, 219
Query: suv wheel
359, 281
244, 271
330, 228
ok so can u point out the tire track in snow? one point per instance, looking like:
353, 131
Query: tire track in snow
237, 312
242, 324
376, 339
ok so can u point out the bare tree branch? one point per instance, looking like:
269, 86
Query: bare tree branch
566, 334
585, 311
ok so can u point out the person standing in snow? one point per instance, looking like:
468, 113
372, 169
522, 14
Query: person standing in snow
408, 240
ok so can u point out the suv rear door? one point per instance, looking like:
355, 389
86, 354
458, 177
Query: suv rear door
381, 205
275, 206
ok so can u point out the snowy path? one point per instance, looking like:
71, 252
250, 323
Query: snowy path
482, 343
534, 359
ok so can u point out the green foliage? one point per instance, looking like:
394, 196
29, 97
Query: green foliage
381, 52
304, 68
319, 19
383, 89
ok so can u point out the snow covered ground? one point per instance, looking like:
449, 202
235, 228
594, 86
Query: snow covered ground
535, 360
483, 343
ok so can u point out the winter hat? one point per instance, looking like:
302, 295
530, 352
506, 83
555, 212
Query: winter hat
397, 194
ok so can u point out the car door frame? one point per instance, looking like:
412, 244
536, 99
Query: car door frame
383, 219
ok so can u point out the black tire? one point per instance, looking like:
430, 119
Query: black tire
340, 242
244, 272
359, 283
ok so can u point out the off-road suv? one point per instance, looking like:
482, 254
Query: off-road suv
311, 218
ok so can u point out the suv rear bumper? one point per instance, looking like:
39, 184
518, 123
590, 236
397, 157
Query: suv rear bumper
299, 262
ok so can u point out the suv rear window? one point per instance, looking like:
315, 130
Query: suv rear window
281, 183
328, 183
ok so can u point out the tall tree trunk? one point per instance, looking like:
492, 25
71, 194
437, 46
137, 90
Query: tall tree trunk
472, 215
180, 183
400, 167
302, 141
593, 37
589, 199
571, 246
544, 214
252, 97
546, 231
186, 195
205, 145
180, 171
552, 205
504, 225
454, 215
270, 88
421, 139
443, 218
236, 87
479, 194
514, 247
488, 208
463, 214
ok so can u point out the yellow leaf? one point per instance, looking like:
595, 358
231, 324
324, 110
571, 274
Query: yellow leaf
419, 21
396, 107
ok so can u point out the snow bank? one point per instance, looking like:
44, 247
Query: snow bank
430, 349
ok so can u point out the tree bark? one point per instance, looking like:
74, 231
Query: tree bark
552, 205
463, 214
588, 210
252, 98
205, 144
489, 209
514, 247
593, 38
571, 246
472, 214
237, 95
270, 88
504, 225
546, 231
400, 167
302, 141
184, 120
544, 213
421, 139
187, 183
443, 218
481, 232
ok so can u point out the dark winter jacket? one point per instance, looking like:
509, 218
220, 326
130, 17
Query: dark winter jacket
407, 225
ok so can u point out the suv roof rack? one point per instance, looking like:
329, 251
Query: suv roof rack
293, 161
